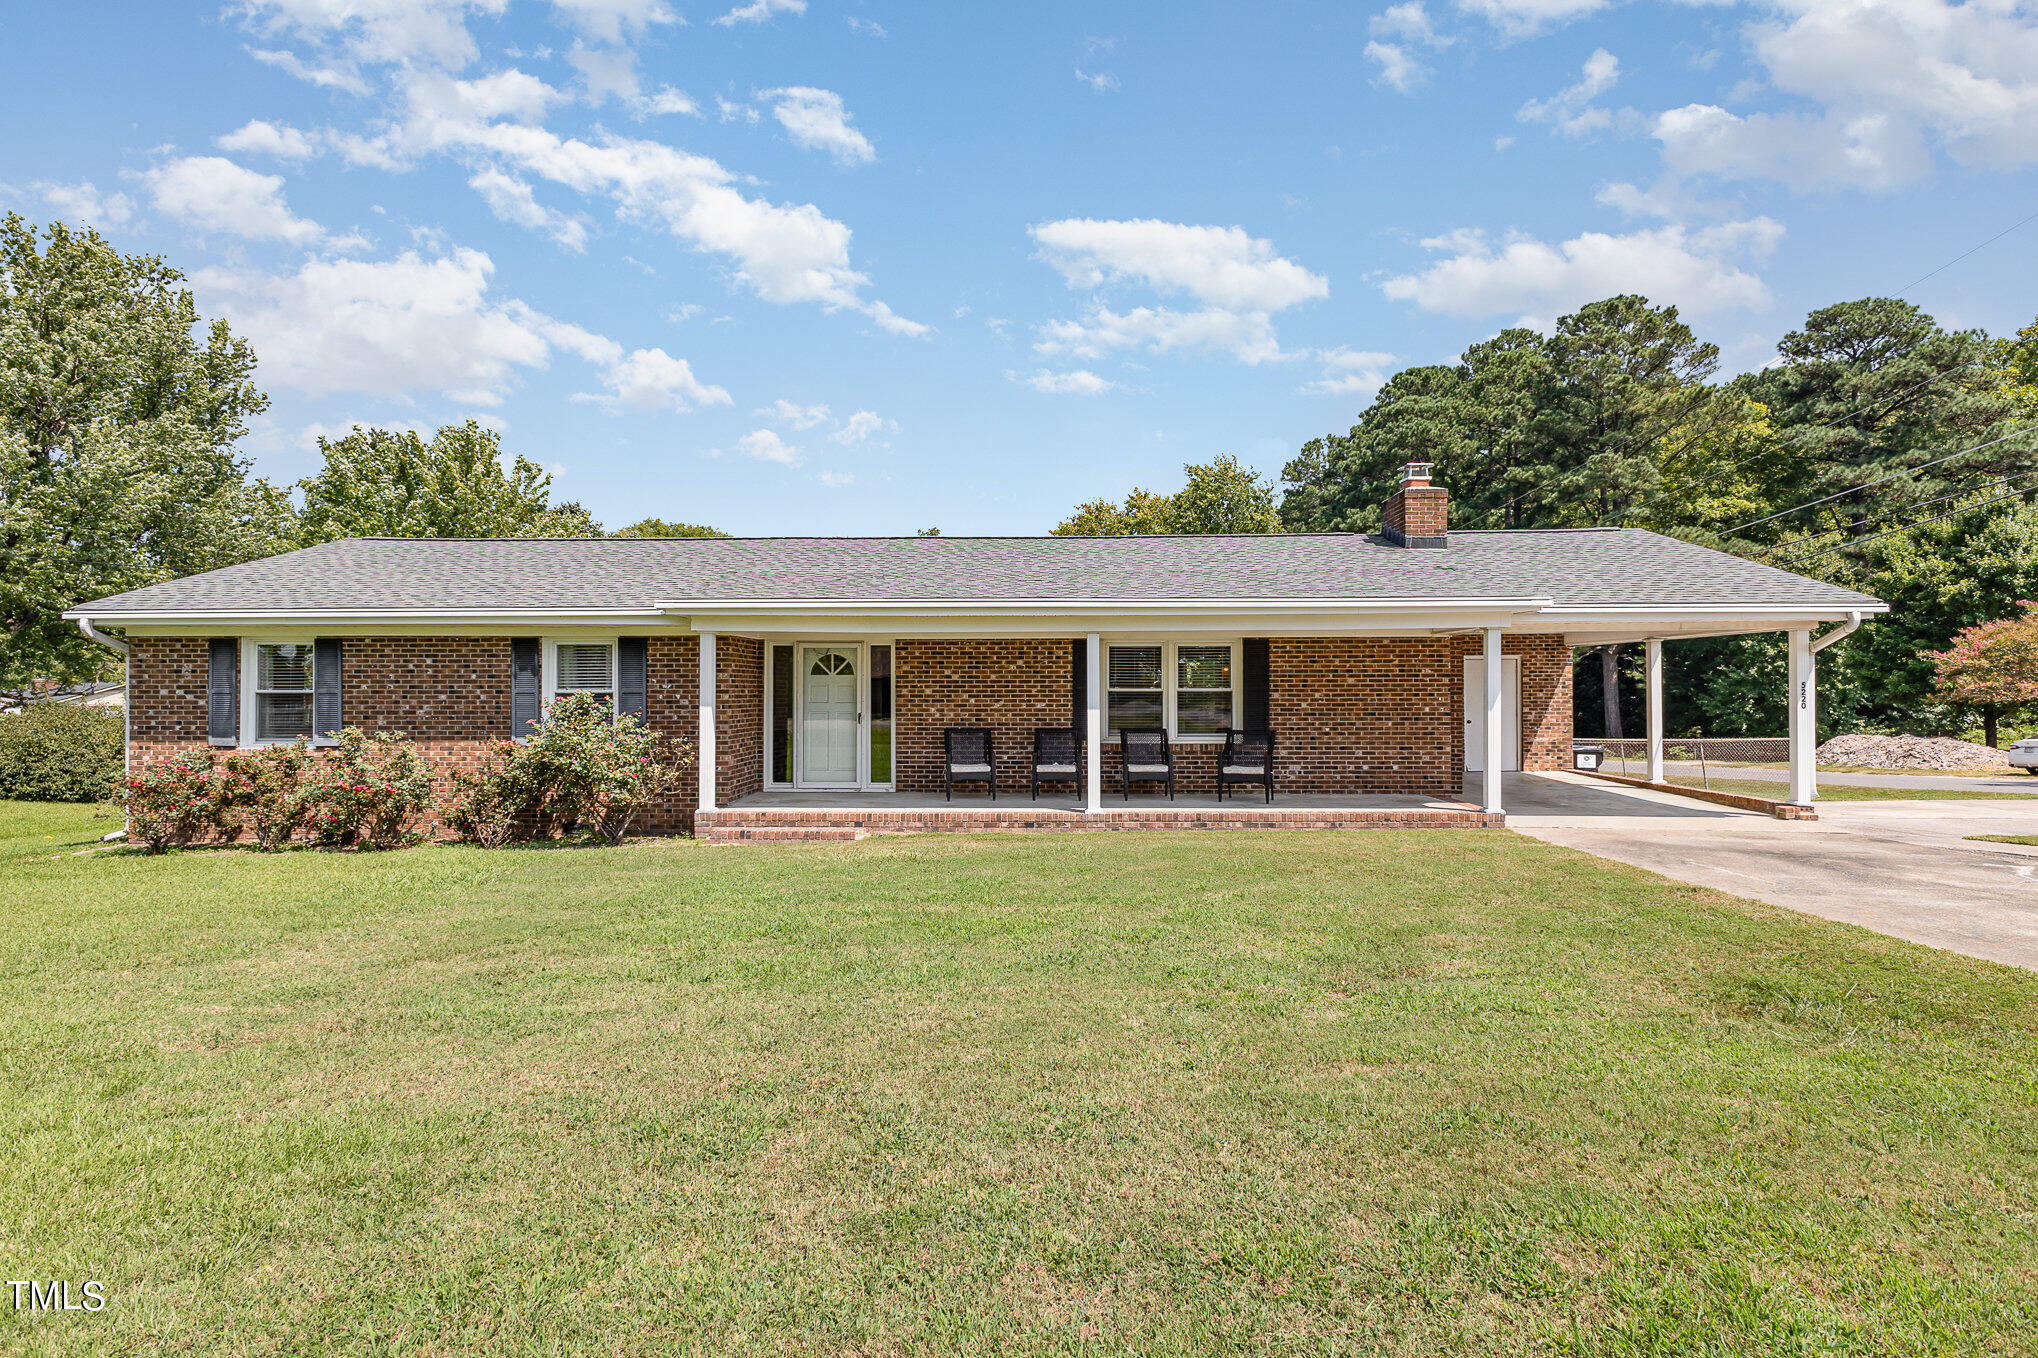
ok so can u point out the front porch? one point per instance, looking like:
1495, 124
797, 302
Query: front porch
789, 814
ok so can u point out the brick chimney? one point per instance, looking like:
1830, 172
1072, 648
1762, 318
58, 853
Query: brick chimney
1418, 514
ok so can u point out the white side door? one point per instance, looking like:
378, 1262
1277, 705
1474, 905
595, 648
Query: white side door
828, 716
1475, 714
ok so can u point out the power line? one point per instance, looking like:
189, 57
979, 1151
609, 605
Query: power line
1912, 507
1963, 255
1870, 485
1905, 528
1793, 437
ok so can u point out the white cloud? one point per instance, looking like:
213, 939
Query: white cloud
757, 11
1349, 372
666, 99
1239, 280
835, 480
414, 324
653, 380
816, 120
510, 93
1884, 84
766, 446
1409, 21
614, 20
82, 204
1102, 82
259, 137
862, 426
512, 200
1246, 335
349, 32
606, 72
324, 76
1700, 270
212, 193
868, 27
1399, 70
793, 416
1221, 266
730, 111
1570, 110
1076, 382
1525, 18
784, 253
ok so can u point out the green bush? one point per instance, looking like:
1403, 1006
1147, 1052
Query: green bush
60, 752
584, 767
172, 803
273, 786
367, 791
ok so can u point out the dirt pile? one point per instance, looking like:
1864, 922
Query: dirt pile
1910, 752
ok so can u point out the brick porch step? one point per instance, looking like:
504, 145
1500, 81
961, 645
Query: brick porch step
762, 824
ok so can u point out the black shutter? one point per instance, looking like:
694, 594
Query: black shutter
326, 717
527, 683
630, 683
223, 693
1254, 662
1079, 684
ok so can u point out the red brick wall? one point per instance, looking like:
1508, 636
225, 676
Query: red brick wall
1417, 511
1011, 685
448, 694
739, 718
1364, 714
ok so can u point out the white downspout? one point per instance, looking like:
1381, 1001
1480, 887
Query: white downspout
1845, 629
126, 698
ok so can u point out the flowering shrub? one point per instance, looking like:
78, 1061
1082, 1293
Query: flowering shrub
1992, 666
583, 766
169, 804
272, 786
491, 804
367, 791
601, 769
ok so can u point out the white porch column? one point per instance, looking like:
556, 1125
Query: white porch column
704, 762
1804, 718
1496, 726
1093, 721
1654, 649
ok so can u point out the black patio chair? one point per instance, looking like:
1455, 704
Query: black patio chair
1248, 758
969, 759
1057, 757
1145, 757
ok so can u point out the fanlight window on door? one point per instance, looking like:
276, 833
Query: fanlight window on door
832, 662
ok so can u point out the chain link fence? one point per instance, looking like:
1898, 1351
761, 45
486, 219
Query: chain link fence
1631, 757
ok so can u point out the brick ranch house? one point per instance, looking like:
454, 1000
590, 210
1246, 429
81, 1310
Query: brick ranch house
815, 676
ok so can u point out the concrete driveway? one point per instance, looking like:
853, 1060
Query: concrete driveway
1901, 868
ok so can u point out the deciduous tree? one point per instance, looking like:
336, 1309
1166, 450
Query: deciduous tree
1991, 666
119, 415
392, 483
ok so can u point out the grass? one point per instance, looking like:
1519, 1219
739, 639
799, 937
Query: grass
2006, 839
1438, 1093
1857, 768
1842, 792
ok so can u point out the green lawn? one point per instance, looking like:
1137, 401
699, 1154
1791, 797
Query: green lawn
2006, 839
1843, 792
1453, 1092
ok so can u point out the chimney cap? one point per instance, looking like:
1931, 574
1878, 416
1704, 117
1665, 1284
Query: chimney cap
1416, 473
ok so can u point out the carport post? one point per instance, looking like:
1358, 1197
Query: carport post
1804, 718
1496, 727
704, 755
1093, 724
1654, 650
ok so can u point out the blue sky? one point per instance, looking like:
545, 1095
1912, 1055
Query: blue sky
850, 266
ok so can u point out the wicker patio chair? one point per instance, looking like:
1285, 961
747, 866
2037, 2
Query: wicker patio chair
1057, 757
969, 759
1146, 758
1248, 758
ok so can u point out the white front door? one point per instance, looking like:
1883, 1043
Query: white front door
828, 716
1475, 714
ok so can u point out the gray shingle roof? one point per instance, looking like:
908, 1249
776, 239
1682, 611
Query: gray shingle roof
1573, 566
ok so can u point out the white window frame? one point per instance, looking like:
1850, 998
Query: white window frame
250, 696
1171, 682
549, 678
